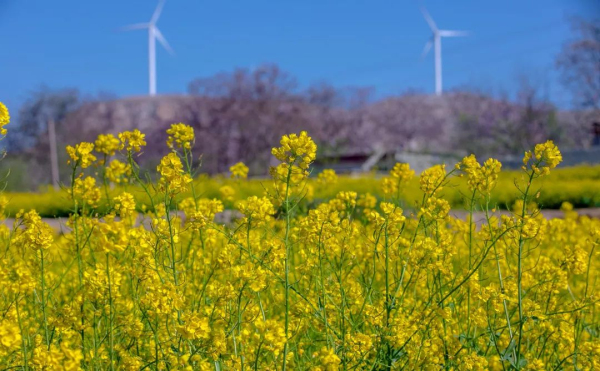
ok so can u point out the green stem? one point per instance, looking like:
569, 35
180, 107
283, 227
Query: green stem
44, 300
287, 265
110, 314
520, 268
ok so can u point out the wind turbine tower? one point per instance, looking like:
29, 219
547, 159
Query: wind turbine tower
436, 41
153, 34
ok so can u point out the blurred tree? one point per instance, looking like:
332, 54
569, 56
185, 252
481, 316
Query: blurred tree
409, 122
41, 106
579, 63
487, 126
265, 82
29, 143
241, 114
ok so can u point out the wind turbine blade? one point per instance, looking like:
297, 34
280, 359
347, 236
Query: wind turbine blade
163, 41
136, 26
449, 33
157, 11
429, 19
426, 48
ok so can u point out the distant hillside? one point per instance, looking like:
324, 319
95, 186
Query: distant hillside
230, 129
244, 121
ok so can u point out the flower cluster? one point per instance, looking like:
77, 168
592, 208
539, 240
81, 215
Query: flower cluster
117, 171
132, 141
172, 176
85, 190
327, 177
545, 156
296, 154
480, 178
432, 179
125, 204
106, 144
239, 171
81, 154
36, 234
181, 136
4, 118
202, 212
400, 174
256, 209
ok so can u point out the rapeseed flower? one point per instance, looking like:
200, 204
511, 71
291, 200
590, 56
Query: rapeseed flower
81, 154
239, 171
4, 118
106, 144
283, 281
181, 136
132, 141
172, 176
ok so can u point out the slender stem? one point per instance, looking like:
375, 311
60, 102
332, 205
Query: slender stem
110, 314
44, 300
520, 268
287, 265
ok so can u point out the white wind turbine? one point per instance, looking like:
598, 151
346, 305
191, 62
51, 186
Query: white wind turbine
436, 40
153, 34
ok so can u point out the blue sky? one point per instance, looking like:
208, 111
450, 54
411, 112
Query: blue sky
74, 43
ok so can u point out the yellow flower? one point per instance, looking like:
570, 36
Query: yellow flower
400, 174
180, 135
86, 190
239, 171
81, 154
106, 144
481, 178
36, 235
296, 153
545, 156
132, 140
203, 214
435, 208
431, 179
194, 327
328, 360
227, 192
272, 333
327, 177
256, 209
4, 118
548, 153
172, 176
125, 204
118, 172
10, 336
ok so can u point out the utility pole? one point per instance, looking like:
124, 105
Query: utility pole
53, 154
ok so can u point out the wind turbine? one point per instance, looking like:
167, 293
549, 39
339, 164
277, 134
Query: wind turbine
436, 40
153, 34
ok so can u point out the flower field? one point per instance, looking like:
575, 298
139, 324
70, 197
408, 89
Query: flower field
317, 274
576, 185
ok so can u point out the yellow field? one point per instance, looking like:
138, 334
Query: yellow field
577, 185
352, 283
